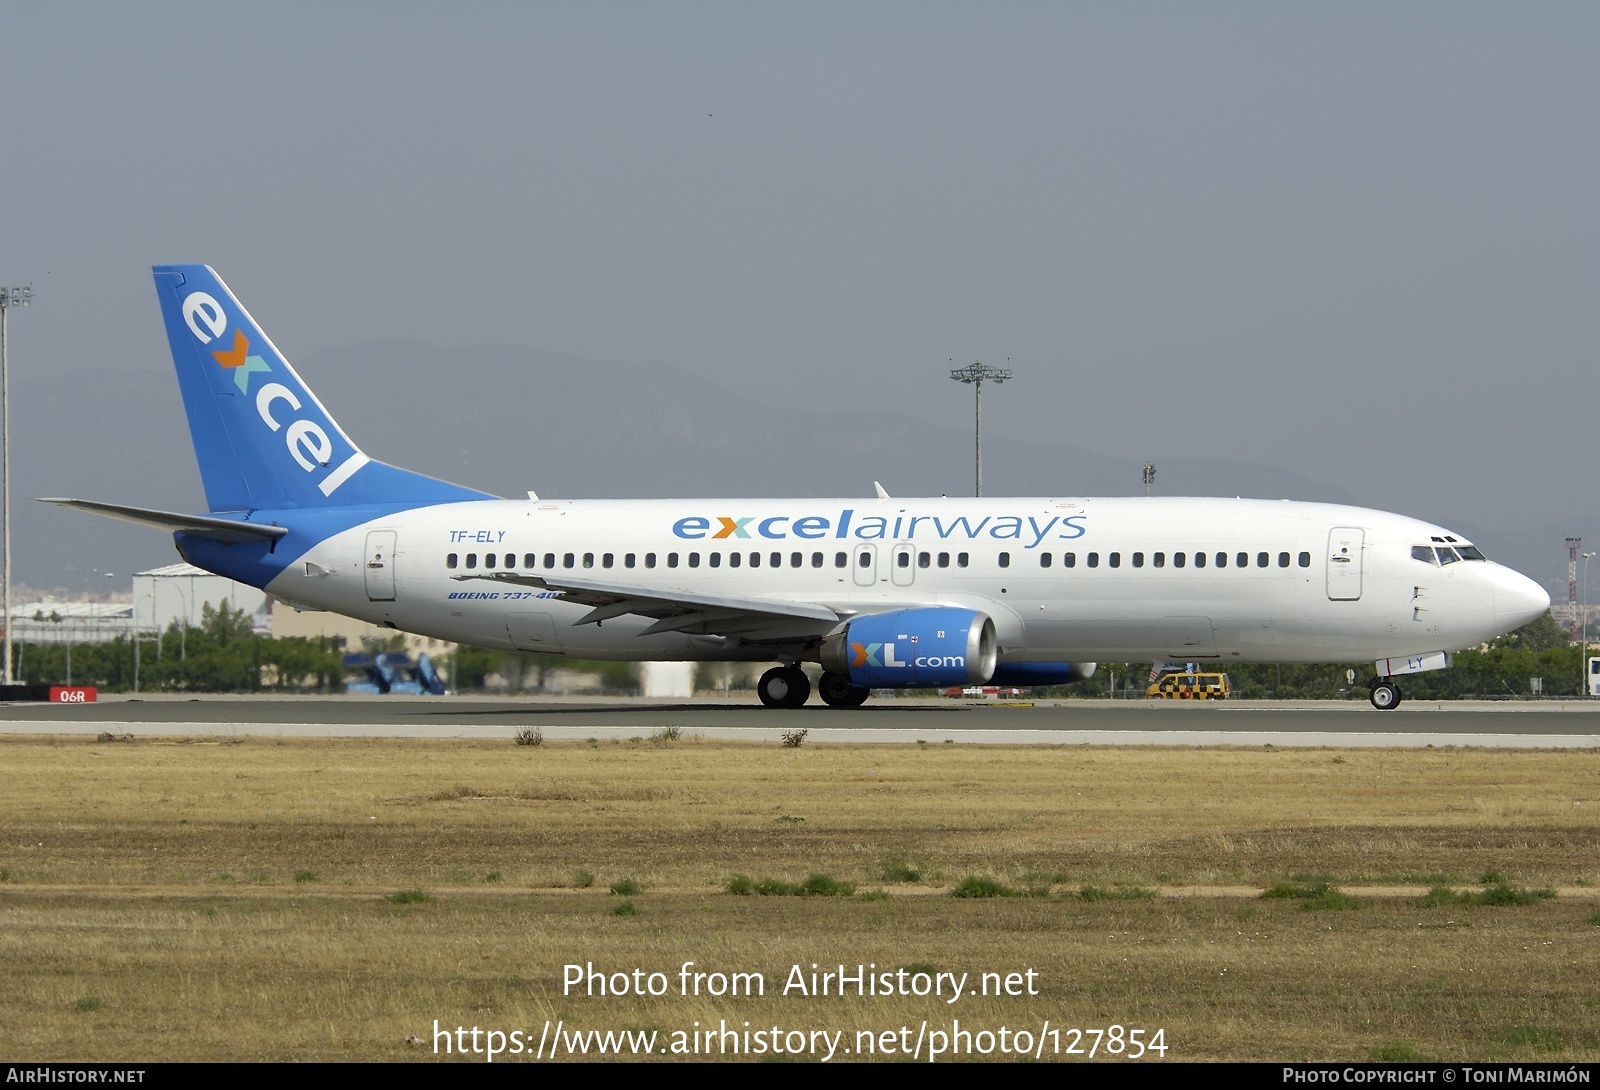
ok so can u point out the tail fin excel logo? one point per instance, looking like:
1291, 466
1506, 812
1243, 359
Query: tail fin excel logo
307, 441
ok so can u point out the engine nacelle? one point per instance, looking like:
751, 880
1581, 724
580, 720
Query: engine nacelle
913, 648
1041, 673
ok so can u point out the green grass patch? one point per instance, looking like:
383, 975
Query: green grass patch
1321, 896
1440, 896
1502, 894
583, 879
901, 872
625, 908
408, 897
1119, 893
626, 887
815, 885
305, 876
1539, 1038
975, 886
89, 1003
1397, 1052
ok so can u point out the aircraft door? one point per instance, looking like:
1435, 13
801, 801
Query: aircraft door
903, 563
865, 565
1344, 563
380, 565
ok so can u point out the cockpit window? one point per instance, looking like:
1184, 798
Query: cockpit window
1470, 552
1447, 555
1423, 553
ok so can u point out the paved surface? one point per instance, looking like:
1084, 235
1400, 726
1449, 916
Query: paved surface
1544, 724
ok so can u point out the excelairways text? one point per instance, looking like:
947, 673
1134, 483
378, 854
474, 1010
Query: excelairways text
1029, 530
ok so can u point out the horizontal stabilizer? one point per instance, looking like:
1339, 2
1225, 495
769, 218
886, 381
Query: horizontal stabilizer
227, 531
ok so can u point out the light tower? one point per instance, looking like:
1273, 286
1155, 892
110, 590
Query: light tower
1573, 545
975, 375
1149, 477
9, 297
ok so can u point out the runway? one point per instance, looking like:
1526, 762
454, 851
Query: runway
1492, 724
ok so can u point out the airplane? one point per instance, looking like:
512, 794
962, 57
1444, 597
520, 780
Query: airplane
881, 593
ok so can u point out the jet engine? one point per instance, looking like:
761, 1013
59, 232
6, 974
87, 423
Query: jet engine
913, 648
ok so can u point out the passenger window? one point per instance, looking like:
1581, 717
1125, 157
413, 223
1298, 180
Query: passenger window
755, 560
694, 560
569, 560
1044, 560
816, 560
672, 560
607, 560
1178, 559
944, 560
628, 560
511, 560
1305, 560
924, 559
1283, 560
1114, 560
902, 560
864, 560
961, 560
1005, 560
1138, 560
1161, 560
451, 560
1069, 560
1222, 560
488, 560
1242, 560
734, 560
649, 560
588, 560
1199, 560
472, 560
714, 558
1094, 560
841, 560
795, 559
1262, 560
776, 560
530, 560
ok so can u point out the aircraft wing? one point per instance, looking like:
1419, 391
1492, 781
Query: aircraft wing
228, 531
753, 619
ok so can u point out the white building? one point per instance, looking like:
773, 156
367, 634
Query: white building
52, 620
178, 593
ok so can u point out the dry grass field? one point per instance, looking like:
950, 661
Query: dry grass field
324, 899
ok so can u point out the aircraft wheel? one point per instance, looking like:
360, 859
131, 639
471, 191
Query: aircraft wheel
784, 687
1385, 696
837, 692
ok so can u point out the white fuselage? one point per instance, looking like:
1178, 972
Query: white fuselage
1064, 580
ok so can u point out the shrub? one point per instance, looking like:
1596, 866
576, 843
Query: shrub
974, 886
408, 897
626, 887
530, 736
793, 738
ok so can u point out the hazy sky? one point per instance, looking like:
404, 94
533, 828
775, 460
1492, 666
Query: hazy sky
1358, 240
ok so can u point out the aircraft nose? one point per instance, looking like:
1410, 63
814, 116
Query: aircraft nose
1517, 600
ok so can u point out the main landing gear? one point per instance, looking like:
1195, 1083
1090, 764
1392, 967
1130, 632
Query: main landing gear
1385, 694
784, 687
837, 692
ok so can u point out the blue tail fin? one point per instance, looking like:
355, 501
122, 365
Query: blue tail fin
263, 440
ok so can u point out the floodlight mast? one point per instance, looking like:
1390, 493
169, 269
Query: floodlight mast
9, 297
975, 375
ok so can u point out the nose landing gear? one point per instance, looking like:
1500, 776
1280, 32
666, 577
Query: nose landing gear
1385, 694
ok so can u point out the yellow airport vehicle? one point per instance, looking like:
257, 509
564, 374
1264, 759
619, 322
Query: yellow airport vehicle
1181, 686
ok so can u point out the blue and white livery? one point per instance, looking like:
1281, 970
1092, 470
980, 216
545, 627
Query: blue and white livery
881, 593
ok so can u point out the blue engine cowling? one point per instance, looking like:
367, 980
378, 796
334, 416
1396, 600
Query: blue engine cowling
913, 648
1041, 673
